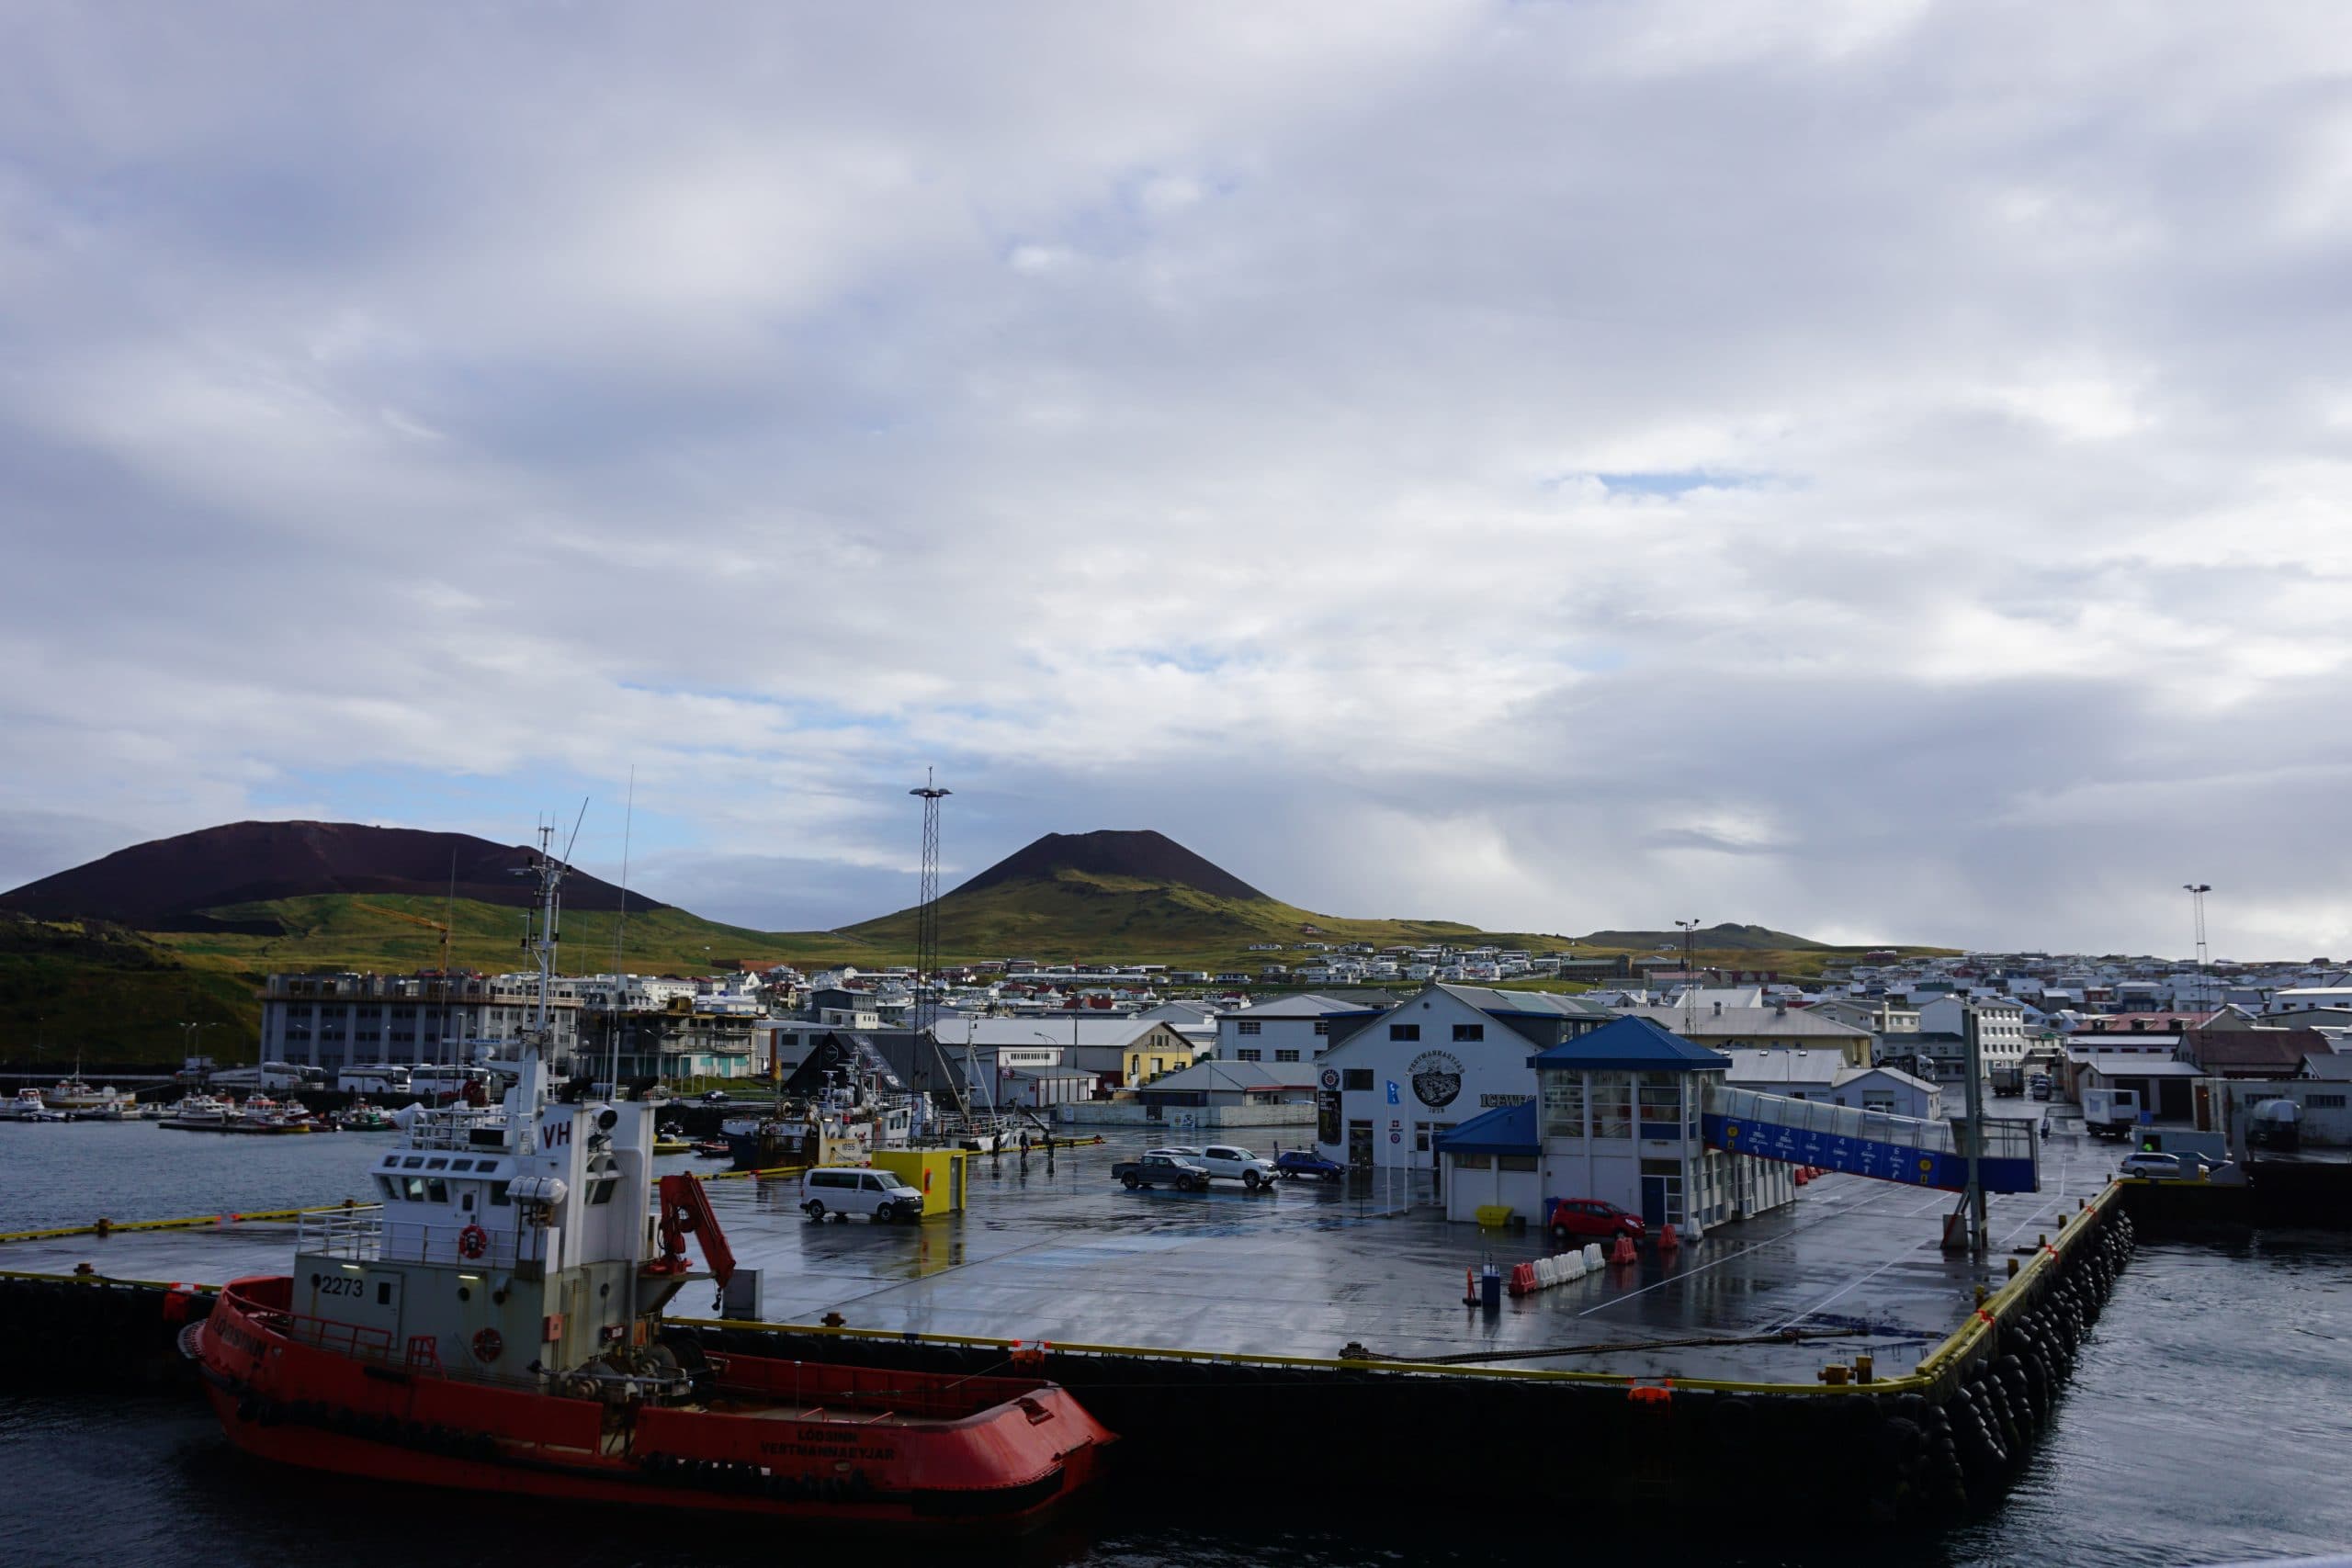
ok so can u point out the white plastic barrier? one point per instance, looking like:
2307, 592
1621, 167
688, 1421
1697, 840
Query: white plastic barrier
1591, 1255
1563, 1268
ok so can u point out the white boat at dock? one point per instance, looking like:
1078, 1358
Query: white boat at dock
28, 1106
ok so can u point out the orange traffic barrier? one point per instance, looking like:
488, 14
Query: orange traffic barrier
1622, 1253
1667, 1240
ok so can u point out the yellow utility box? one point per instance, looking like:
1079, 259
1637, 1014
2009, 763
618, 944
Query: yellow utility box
938, 1174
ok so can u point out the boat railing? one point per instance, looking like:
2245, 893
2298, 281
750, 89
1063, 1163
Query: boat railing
455, 1128
330, 1334
367, 1235
357, 1234
417, 1241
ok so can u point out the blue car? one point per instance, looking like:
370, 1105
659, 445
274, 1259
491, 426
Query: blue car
1296, 1163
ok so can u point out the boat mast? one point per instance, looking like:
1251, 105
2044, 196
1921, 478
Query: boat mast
539, 1042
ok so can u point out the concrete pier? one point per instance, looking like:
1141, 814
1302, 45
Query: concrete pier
1175, 1311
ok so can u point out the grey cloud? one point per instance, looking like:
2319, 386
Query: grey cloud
787, 399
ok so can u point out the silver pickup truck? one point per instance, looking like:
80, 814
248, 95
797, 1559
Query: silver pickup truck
1227, 1162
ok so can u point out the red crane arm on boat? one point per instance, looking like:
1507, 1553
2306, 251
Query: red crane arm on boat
685, 1209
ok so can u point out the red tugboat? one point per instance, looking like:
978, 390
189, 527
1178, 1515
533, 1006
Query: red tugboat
493, 1325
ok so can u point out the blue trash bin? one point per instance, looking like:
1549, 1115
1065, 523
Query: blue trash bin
1490, 1288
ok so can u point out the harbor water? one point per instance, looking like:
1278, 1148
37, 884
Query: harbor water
2206, 1423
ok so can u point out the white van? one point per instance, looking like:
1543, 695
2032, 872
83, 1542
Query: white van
847, 1191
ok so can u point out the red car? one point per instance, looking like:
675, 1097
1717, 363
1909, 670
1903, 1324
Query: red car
1591, 1219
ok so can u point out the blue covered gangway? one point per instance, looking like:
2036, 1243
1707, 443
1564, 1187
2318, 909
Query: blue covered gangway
1878, 1143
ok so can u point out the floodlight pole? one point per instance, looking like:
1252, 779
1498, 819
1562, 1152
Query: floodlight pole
1975, 1100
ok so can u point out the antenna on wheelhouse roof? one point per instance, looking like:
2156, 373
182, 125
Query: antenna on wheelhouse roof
620, 929
448, 930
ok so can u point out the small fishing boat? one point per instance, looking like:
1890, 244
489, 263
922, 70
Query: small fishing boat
80, 1102
199, 1114
28, 1106
263, 1117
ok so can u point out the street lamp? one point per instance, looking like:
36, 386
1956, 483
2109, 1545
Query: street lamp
190, 1033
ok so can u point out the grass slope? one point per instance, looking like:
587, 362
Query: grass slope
1076, 917
120, 995
343, 931
115, 994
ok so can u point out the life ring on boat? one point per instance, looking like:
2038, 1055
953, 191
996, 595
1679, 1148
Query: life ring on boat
473, 1242
489, 1345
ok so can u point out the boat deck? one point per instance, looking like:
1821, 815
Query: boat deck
1070, 1257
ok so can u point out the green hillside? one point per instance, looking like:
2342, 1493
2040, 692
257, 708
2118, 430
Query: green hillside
1725, 938
119, 995
343, 931
1076, 916
114, 994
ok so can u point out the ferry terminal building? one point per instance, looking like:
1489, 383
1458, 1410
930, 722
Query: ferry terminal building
1402, 1079
1609, 1112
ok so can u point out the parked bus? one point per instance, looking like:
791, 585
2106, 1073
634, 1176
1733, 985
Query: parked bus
380, 1079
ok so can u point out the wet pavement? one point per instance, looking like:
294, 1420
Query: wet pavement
1068, 1255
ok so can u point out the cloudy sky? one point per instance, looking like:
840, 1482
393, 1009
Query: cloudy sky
1875, 469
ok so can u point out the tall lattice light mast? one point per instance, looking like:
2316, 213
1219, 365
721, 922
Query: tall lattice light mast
927, 910
2197, 891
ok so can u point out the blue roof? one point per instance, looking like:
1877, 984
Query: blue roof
1506, 1130
1631, 1044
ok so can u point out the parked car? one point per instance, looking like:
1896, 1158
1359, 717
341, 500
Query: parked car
1161, 1169
848, 1189
1591, 1219
2155, 1166
1306, 1162
714, 1096
1225, 1161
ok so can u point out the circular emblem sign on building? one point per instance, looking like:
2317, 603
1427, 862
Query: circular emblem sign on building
1330, 1077
1437, 1078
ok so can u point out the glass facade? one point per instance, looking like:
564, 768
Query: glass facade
1613, 1105
1563, 1105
